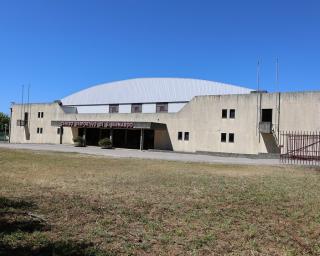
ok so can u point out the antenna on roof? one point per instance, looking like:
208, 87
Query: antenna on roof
22, 92
277, 75
258, 75
28, 102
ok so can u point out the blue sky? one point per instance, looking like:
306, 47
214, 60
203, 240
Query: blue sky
62, 46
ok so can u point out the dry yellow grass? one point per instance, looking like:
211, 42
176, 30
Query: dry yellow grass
84, 205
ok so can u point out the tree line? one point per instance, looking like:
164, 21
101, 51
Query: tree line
4, 121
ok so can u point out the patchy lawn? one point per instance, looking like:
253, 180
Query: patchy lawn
71, 204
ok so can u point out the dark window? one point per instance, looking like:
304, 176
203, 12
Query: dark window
231, 137
186, 136
266, 115
41, 130
136, 108
40, 114
179, 135
38, 130
232, 113
162, 107
114, 108
224, 113
223, 137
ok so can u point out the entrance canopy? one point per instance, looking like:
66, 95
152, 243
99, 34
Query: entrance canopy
109, 124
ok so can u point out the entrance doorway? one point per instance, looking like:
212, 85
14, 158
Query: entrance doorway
121, 138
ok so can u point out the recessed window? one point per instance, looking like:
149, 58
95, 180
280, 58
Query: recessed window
136, 108
39, 130
162, 108
266, 115
232, 113
186, 136
223, 137
179, 135
231, 137
40, 114
114, 108
224, 113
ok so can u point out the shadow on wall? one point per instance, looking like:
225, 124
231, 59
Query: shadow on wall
27, 132
23, 233
271, 143
162, 140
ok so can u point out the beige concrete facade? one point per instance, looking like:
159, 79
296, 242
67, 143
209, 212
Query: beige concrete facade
201, 117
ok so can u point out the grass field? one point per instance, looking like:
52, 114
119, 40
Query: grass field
71, 204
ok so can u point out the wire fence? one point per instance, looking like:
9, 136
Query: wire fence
300, 147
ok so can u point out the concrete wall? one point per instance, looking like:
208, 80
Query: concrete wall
175, 107
93, 109
201, 117
126, 108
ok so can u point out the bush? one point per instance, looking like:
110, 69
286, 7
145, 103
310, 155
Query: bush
79, 141
105, 143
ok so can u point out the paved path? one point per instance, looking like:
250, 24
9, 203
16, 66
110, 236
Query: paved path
131, 153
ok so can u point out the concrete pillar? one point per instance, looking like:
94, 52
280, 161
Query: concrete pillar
84, 136
111, 135
141, 139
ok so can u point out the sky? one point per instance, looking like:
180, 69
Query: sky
62, 46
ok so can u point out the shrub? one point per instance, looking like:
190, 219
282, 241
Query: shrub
79, 141
105, 143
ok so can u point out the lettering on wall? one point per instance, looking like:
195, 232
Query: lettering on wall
96, 124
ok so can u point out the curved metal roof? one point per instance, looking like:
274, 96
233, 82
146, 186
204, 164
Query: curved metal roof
150, 90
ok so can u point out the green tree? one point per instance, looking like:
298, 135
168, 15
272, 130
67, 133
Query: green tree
4, 120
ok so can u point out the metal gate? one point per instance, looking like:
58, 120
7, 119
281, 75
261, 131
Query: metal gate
300, 148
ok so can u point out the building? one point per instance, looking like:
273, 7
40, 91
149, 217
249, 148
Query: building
170, 114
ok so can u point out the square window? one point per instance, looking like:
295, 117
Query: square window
266, 115
232, 113
186, 136
114, 108
223, 137
224, 113
179, 135
231, 137
136, 108
162, 107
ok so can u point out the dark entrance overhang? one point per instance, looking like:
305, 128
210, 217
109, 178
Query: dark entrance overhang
109, 124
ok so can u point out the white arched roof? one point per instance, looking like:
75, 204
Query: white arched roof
150, 90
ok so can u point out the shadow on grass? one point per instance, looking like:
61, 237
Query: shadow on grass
15, 217
17, 225
60, 248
